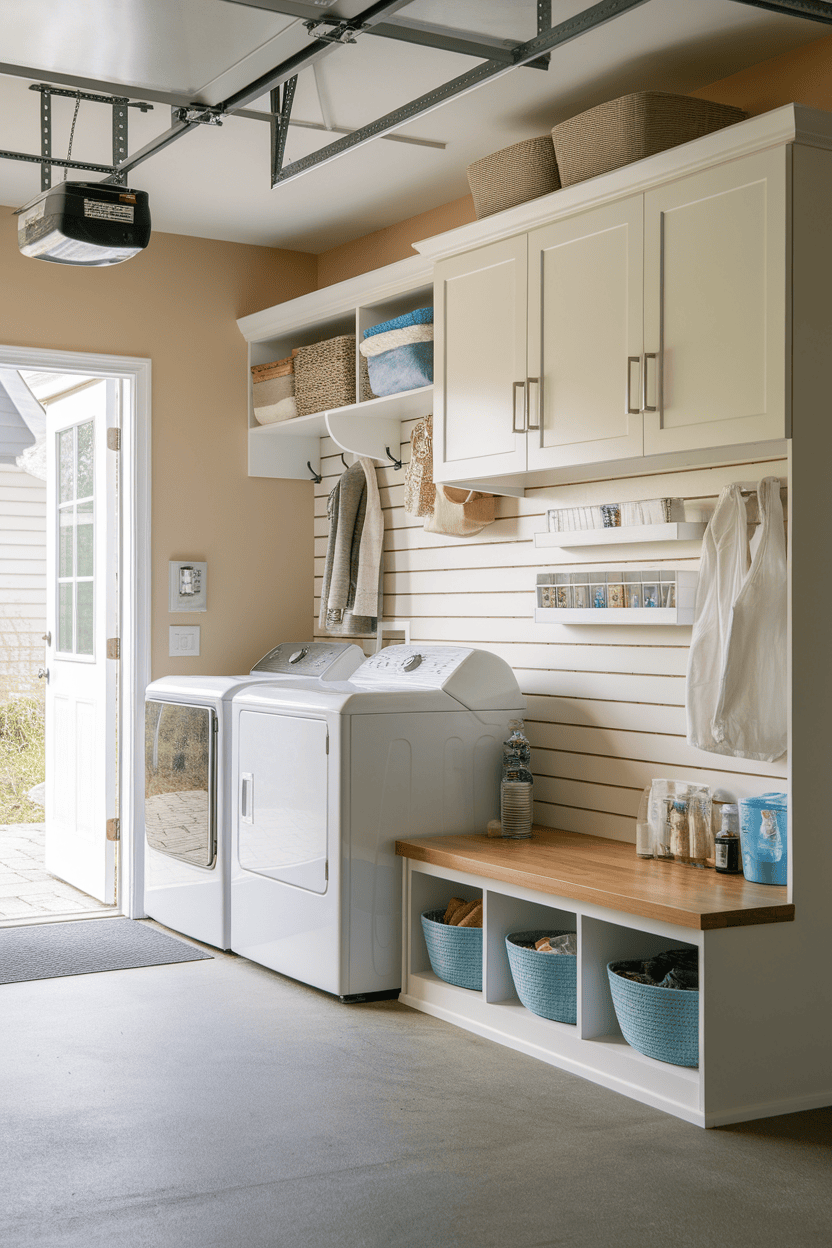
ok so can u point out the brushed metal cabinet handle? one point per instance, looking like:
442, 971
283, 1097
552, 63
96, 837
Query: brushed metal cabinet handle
628, 406
534, 381
514, 387
648, 355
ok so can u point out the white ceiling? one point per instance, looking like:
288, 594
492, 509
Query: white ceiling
214, 182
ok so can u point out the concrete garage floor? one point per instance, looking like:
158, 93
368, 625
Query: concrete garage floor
217, 1104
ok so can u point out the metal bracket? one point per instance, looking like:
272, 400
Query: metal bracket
119, 105
197, 114
113, 829
279, 125
330, 30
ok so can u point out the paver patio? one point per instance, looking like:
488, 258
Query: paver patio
27, 890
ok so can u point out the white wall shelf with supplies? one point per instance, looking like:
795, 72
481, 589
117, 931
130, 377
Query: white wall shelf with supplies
676, 532
291, 448
622, 595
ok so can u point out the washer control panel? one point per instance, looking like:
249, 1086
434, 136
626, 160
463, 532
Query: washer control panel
326, 660
411, 666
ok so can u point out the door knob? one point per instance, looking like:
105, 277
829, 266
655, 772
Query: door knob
47, 637
43, 674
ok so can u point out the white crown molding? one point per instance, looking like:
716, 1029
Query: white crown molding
790, 124
339, 299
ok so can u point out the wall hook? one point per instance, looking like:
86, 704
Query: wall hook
343, 461
316, 476
397, 463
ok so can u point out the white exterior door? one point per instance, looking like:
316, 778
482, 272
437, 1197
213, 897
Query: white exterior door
586, 284
716, 275
480, 392
82, 612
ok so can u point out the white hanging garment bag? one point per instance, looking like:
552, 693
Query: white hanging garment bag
750, 719
721, 574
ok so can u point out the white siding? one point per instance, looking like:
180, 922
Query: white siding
605, 704
22, 578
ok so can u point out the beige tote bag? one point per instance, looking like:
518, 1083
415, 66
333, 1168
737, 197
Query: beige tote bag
460, 513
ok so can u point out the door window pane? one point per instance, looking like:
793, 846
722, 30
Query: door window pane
65, 614
66, 462
76, 539
66, 533
84, 603
84, 539
85, 460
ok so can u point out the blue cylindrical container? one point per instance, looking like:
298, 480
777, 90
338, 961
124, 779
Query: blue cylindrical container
764, 838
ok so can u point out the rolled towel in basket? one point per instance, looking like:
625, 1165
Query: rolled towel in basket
399, 359
392, 338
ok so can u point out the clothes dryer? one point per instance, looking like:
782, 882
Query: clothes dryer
327, 779
187, 796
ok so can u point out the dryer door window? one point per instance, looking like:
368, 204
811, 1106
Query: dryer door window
282, 798
180, 786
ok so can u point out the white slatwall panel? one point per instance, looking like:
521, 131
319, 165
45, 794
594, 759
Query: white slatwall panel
22, 579
605, 703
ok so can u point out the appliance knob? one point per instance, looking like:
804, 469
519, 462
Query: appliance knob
412, 663
298, 655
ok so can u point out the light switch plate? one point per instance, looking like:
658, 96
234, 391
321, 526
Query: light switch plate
194, 575
184, 641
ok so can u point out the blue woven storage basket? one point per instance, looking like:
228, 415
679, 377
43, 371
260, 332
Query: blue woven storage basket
546, 983
455, 952
658, 1022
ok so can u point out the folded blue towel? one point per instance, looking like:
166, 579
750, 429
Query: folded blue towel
422, 316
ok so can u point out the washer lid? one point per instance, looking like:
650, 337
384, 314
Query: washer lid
477, 679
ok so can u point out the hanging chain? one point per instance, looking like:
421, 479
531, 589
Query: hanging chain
72, 131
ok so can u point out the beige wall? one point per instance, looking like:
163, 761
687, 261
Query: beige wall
177, 304
373, 251
803, 76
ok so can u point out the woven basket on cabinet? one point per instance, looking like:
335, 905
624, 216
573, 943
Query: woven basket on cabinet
513, 175
546, 983
455, 952
658, 1022
634, 126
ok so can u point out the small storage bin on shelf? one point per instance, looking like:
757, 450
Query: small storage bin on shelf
515, 174
620, 131
546, 983
455, 952
658, 1022
325, 375
399, 352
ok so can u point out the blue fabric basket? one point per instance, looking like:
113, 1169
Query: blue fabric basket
546, 983
421, 316
455, 952
404, 368
658, 1022
758, 861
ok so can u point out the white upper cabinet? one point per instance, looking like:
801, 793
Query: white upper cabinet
657, 318
715, 312
480, 394
585, 337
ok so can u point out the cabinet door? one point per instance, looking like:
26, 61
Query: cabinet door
715, 306
585, 337
480, 362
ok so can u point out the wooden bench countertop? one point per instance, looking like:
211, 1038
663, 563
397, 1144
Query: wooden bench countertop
608, 873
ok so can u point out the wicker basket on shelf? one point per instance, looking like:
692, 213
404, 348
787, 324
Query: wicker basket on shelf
546, 983
513, 175
455, 952
634, 126
659, 1022
325, 375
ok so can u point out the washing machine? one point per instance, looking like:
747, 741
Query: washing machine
187, 794
327, 779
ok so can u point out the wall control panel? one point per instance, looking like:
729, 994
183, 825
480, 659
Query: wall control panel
188, 585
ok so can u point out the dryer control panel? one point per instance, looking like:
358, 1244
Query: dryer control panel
328, 660
412, 666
